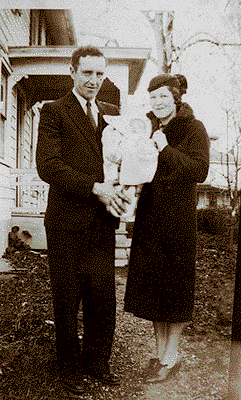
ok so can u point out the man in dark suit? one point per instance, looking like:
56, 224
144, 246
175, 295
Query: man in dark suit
81, 217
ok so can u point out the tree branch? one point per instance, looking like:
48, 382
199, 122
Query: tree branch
214, 41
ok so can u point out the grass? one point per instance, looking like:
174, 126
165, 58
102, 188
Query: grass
27, 360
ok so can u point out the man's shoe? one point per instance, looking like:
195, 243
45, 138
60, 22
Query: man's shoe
107, 378
73, 383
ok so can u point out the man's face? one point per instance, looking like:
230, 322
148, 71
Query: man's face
89, 76
162, 102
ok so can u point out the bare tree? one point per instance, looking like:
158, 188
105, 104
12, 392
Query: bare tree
230, 159
230, 153
162, 23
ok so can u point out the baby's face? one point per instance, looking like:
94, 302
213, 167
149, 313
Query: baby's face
137, 126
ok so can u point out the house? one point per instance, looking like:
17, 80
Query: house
35, 52
209, 196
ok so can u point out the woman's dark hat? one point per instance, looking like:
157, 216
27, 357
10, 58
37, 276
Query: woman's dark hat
163, 80
183, 80
183, 83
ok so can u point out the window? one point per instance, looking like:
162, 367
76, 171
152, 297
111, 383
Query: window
34, 27
31, 143
20, 130
3, 108
37, 28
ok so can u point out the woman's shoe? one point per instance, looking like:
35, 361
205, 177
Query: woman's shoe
152, 370
163, 373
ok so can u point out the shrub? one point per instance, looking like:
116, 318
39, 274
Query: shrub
213, 221
236, 234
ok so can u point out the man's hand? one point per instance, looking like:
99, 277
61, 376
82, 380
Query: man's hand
112, 197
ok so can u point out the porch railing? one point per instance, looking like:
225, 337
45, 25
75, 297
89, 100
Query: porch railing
31, 195
31, 192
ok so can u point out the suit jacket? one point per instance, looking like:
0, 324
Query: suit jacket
69, 158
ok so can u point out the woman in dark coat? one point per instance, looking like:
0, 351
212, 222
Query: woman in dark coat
160, 285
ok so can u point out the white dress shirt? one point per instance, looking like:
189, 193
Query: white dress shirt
83, 103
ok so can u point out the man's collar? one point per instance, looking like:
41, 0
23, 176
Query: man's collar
83, 101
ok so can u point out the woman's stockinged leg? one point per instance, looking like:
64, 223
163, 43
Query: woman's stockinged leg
167, 343
161, 332
151, 371
174, 331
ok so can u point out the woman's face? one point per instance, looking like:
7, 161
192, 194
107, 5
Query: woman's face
162, 102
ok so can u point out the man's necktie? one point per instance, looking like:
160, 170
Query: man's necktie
161, 125
90, 115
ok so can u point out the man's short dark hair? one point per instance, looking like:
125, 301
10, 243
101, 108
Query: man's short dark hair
84, 52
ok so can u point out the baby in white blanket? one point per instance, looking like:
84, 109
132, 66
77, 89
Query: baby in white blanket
130, 156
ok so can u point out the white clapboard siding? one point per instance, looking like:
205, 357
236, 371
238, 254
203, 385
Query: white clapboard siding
13, 128
4, 179
26, 141
4, 174
7, 195
5, 207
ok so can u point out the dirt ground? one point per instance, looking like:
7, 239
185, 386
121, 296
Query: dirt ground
27, 357
203, 374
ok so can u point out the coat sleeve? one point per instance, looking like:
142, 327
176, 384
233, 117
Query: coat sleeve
189, 161
50, 166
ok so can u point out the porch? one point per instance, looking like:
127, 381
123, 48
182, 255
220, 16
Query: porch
31, 195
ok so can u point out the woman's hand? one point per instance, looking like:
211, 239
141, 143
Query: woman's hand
159, 138
146, 150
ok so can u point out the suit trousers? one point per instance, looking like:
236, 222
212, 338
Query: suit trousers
82, 268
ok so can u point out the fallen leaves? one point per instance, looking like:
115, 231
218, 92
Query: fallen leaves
27, 335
